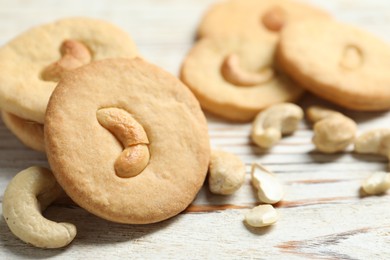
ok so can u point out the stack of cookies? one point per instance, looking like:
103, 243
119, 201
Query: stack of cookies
252, 54
109, 123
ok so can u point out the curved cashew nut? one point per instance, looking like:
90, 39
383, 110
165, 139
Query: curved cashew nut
74, 54
275, 121
235, 74
274, 19
352, 57
333, 131
135, 156
226, 173
29, 193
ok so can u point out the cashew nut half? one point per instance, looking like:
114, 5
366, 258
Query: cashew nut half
226, 173
261, 216
74, 54
26, 196
377, 183
275, 121
269, 189
333, 131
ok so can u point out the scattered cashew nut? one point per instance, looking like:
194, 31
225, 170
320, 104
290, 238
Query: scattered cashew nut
269, 189
235, 74
261, 216
333, 132
377, 183
226, 173
26, 196
375, 141
275, 121
135, 157
74, 54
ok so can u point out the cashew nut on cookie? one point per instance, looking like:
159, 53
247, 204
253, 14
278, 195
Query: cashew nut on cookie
274, 122
333, 132
131, 134
74, 55
26, 196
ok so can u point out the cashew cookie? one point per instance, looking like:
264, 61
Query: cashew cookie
235, 77
127, 141
32, 63
26, 196
28, 132
337, 62
264, 18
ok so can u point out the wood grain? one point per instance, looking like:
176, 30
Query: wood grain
323, 216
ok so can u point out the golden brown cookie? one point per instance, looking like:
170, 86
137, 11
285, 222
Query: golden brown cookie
127, 141
235, 77
32, 63
337, 62
254, 17
28, 132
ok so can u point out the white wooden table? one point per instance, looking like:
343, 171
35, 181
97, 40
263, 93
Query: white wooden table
322, 216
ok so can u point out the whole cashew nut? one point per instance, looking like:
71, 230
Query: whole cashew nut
226, 173
233, 72
135, 156
333, 131
275, 121
74, 54
26, 196
374, 142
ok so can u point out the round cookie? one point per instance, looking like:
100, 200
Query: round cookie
28, 132
254, 17
29, 62
127, 109
337, 62
235, 77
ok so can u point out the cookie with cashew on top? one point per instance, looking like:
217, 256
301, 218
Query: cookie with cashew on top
235, 77
33, 62
127, 141
263, 18
337, 62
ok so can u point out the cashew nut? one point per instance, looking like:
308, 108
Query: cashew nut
26, 196
261, 216
233, 72
275, 121
274, 19
377, 183
269, 189
135, 157
74, 54
226, 173
333, 131
376, 141
352, 57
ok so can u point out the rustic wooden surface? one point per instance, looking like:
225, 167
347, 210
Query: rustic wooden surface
323, 215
